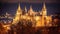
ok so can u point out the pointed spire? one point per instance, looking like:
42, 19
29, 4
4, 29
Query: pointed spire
25, 9
44, 14
44, 10
19, 8
44, 6
31, 8
18, 15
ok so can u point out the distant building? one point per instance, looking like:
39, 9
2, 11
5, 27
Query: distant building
39, 18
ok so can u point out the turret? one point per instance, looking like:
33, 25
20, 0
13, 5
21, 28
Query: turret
31, 11
44, 10
18, 15
25, 9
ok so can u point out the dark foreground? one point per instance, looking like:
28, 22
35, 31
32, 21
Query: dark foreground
20, 29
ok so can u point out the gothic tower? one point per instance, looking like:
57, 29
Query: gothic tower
17, 15
44, 10
31, 11
25, 9
44, 14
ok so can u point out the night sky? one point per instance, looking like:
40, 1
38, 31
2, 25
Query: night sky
10, 6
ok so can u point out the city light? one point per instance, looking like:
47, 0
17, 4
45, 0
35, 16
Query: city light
40, 21
28, 21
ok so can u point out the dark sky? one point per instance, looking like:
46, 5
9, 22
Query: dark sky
10, 6
30, 1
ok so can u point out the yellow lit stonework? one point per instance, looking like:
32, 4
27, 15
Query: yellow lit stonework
18, 15
40, 20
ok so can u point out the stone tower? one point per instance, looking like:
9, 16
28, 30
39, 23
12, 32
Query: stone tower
44, 14
17, 15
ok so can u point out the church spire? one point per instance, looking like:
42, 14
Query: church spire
31, 8
18, 15
44, 14
44, 6
44, 10
19, 10
25, 9
31, 11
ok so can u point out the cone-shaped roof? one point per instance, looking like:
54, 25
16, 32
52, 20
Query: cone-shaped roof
19, 10
44, 6
25, 9
17, 16
31, 8
44, 10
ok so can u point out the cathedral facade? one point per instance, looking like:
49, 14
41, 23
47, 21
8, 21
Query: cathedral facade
39, 18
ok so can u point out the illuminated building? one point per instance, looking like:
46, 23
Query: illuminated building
40, 20
31, 12
18, 15
44, 14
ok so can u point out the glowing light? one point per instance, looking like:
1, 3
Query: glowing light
24, 17
37, 18
28, 18
40, 21
17, 17
7, 27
